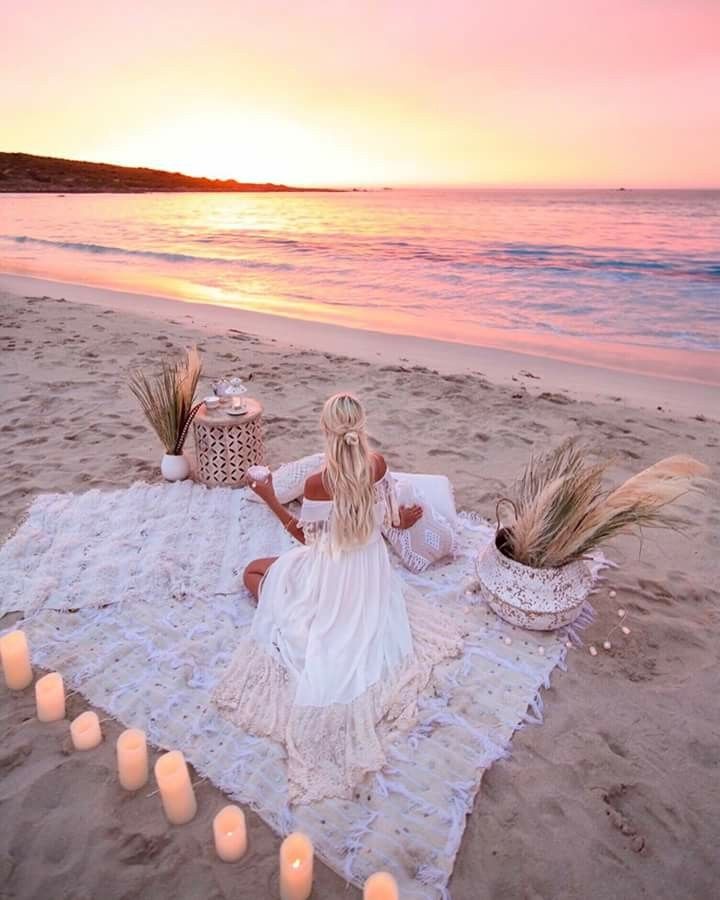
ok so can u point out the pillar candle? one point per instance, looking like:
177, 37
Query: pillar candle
85, 731
230, 833
50, 697
381, 886
15, 657
176, 791
132, 759
296, 867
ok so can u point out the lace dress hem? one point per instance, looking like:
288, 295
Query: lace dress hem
331, 748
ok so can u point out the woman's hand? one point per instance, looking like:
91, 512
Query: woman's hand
409, 515
264, 489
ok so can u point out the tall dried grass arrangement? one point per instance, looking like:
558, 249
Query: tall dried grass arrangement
166, 397
563, 511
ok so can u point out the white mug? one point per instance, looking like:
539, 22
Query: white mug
258, 473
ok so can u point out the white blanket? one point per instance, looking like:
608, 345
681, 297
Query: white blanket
154, 576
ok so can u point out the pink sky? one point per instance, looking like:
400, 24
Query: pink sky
490, 92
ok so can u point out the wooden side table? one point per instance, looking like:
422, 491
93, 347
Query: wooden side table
226, 445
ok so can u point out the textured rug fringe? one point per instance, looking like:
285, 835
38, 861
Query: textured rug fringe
434, 878
353, 841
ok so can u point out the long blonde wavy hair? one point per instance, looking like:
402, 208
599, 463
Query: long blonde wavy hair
348, 475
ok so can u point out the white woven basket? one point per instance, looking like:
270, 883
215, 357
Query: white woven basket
538, 599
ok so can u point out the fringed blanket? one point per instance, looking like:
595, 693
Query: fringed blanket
136, 597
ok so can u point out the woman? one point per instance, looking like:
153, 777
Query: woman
340, 646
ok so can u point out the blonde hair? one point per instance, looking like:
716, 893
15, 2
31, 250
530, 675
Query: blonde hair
348, 475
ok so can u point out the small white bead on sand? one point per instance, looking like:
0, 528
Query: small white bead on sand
593, 651
568, 644
613, 594
607, 645
508, 641
625, 629
621, 613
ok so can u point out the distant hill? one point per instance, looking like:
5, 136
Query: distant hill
24, 173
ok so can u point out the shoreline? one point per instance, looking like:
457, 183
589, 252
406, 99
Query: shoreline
502, 366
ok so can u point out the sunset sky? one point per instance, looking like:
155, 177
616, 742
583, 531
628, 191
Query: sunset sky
442, 92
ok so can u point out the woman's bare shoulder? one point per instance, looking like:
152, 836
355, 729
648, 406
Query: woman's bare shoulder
380, 466
315, 488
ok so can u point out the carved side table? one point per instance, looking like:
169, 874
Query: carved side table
227, 445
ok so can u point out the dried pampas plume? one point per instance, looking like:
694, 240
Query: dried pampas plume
166, 397
660, 484
563, 511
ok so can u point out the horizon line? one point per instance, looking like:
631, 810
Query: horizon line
389, 185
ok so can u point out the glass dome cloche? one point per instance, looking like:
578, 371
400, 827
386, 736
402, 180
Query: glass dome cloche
230, 391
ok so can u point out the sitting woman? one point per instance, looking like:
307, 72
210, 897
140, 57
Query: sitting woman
340, 646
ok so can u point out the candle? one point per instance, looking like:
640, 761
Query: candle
381, 886
50, 697
296, 867
230, 833
85, 731
15, 657
178, 797
132, 759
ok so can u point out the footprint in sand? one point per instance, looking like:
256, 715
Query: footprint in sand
615, 799
653, 590
14, 758
138, 849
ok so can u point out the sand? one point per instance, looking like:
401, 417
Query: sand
615, 796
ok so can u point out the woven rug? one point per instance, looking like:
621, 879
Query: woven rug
135, 596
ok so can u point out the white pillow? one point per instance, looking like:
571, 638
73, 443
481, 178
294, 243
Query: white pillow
431, 538
434, 490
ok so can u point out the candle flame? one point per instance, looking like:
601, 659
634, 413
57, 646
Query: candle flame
296, 863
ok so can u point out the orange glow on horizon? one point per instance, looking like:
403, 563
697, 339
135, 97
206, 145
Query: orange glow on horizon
603, 93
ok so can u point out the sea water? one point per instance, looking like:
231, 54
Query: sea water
625, 278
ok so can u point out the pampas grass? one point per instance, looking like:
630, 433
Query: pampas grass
166, 398
563, 511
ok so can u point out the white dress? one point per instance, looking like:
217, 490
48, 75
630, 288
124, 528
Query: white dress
339, 649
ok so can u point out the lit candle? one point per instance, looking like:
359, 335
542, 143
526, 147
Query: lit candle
15, 657
85, 731
230, 833
296, 867
50, 697
132, 759
381, 886
178, 797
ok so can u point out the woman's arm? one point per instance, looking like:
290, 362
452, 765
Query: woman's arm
266, 492
408, 515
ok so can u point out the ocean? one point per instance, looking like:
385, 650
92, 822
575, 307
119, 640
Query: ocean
629, 279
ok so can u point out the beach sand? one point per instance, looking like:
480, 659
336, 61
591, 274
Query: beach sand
616, 795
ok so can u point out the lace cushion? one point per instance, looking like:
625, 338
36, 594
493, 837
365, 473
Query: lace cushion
431, 538
435, 490
289, 479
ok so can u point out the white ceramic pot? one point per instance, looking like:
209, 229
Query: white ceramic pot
538, 599
174, 468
